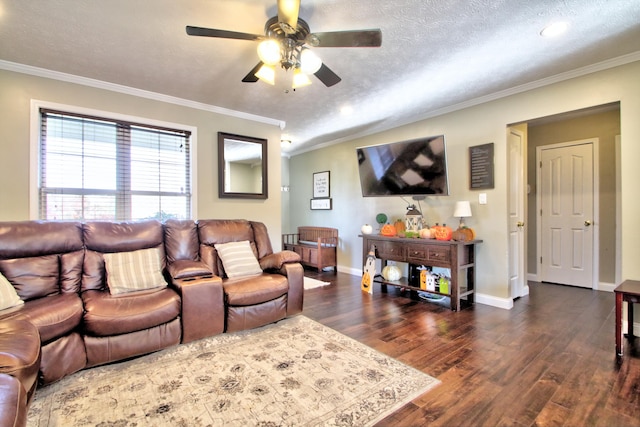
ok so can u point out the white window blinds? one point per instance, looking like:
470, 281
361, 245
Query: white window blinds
102, 169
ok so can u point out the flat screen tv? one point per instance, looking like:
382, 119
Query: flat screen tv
407, 168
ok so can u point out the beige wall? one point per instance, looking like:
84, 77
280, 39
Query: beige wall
472, 126
604, 126
17, 90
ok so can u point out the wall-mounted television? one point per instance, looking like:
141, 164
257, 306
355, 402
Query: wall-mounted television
406, 168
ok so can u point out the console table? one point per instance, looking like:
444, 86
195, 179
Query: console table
628, 291
459, 257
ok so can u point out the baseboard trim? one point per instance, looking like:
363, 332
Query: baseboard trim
505, 303
349, 270
601, 286
606, 287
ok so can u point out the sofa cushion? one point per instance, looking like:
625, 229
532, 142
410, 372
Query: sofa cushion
254, 290
181, 240
42, 258
54, 316
107, 314
33, 277
134, 271
238, 259
8, 295
101, 237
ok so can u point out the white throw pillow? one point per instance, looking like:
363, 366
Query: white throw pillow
134, 271
238, 259
8, 295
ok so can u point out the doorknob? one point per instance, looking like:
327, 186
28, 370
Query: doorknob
587, 223
520, 224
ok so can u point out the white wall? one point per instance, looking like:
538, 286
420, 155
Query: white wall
473, 126
17, 90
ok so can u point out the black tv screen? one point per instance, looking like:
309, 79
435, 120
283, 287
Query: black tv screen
414, 167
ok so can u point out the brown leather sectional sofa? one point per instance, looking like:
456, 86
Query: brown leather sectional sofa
70, 320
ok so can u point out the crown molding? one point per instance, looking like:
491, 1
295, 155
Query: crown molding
99, 84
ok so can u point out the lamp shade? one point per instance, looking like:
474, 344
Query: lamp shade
267, 73
462, 209
300, 79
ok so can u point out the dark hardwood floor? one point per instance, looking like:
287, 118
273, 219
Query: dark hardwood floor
549, 361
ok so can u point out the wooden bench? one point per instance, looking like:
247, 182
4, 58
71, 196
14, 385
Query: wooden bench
317, 246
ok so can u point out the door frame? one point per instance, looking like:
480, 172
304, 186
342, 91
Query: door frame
595, 142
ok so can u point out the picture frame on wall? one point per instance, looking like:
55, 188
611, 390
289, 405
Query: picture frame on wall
321, 204
321, 184
481, 169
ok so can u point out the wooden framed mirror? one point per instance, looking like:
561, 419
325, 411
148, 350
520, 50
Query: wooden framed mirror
242, 167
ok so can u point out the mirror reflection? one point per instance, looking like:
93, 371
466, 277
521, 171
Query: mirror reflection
242, 166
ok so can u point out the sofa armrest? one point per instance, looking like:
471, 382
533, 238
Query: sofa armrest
13, 402
295, 276
184, 268
202, 306
277, 260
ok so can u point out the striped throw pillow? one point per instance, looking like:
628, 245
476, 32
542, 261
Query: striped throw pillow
8, 295
238, 259
134, 271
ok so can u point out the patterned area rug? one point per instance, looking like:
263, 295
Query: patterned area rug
293, 373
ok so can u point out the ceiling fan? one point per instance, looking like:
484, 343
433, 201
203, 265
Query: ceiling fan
287, 41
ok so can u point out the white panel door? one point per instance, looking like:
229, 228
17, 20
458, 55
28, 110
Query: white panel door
567, 214
517, 282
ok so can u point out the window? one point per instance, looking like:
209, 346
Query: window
102, 169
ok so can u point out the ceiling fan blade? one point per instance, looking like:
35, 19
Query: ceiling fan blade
326, 76
288, 11
211, 32
251, 77
355, 38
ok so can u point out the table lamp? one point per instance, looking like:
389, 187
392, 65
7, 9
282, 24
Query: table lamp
462, 210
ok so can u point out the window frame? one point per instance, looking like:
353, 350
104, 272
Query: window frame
35, 157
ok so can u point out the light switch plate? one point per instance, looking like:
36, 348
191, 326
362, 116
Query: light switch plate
482, 198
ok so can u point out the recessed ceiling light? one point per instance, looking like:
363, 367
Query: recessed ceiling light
346, 110
554, 29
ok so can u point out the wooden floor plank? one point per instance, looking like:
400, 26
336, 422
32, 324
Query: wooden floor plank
549, 361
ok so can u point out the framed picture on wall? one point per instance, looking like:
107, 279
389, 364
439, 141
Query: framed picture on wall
321, 204
321, 184
481, 166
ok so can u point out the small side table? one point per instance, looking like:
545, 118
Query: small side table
628, 291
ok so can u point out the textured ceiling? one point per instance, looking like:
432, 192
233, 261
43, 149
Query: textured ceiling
435, 55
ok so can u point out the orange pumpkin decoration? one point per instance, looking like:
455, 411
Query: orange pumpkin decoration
464, 234
400, 227
388, 230
443, 232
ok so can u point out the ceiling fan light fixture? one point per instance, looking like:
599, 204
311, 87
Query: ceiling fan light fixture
300, 79
267, 73
269, 51
309, 61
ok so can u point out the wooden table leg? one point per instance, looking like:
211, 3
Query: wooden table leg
630, 321
618, 325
